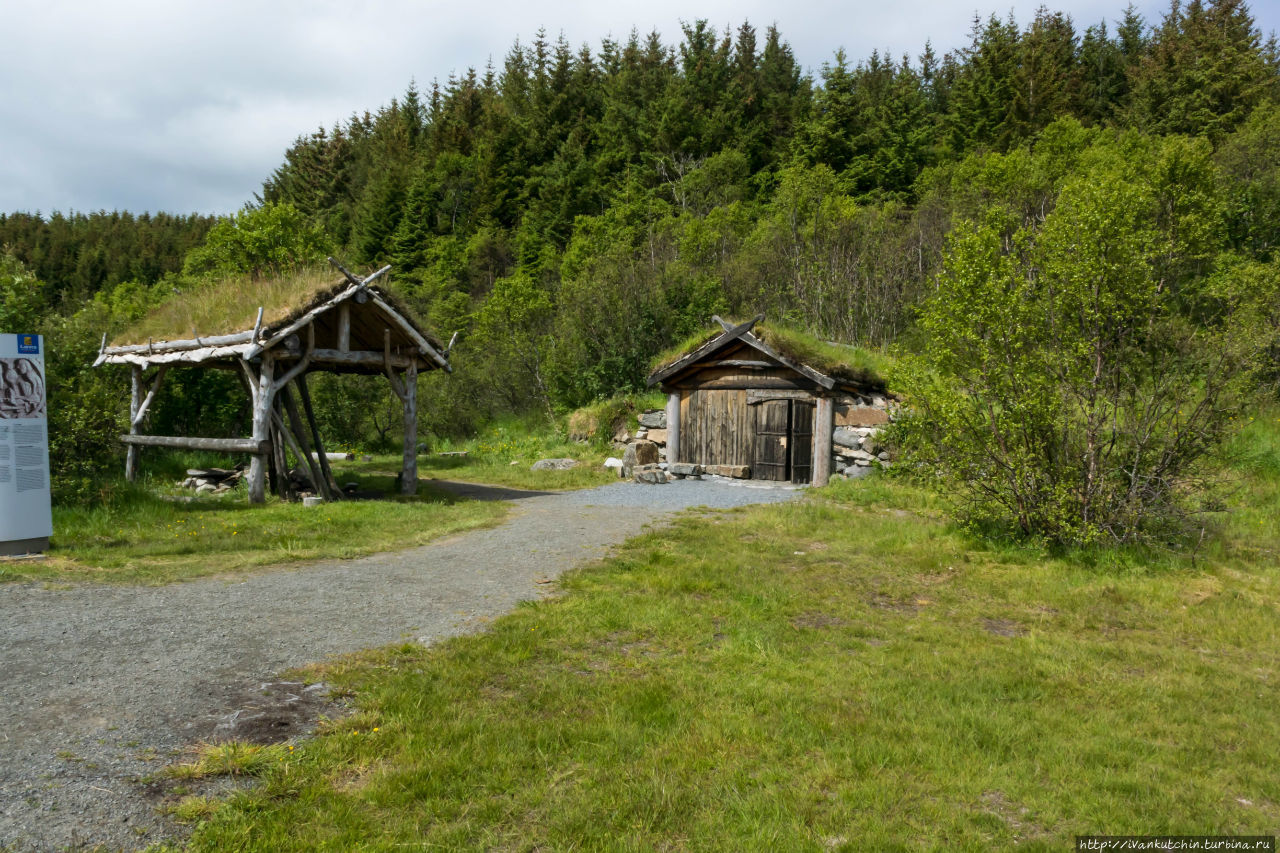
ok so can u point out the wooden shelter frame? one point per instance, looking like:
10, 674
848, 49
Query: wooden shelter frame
272, 363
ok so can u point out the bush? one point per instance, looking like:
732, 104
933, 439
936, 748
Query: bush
1079, 372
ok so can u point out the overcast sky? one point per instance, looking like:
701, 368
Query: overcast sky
187, 106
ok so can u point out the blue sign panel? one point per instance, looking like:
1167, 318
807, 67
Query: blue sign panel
28, 344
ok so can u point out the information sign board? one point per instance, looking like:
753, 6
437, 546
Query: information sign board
26, 522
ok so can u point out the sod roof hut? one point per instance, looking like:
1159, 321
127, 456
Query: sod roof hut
273, 333
766, 400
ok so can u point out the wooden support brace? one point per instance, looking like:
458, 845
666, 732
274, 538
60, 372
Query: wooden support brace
141, 410
305, 394
302, 364
304, 446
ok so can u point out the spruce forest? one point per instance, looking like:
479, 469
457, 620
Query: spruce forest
574, 211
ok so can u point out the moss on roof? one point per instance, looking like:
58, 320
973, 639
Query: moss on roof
839, 361
228, 306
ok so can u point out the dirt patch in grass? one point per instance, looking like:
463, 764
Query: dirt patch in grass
1003, 628
818, 620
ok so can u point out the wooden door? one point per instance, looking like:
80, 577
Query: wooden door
770, 461
801, 443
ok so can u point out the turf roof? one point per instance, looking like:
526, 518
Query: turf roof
839, 361
228, 306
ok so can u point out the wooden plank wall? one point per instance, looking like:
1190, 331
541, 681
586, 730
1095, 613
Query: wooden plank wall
717, 425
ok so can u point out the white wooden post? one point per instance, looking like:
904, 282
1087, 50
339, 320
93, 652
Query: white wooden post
135, 403
822, 435
263, 396
673, 427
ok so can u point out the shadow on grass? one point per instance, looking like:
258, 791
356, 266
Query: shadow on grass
480, 492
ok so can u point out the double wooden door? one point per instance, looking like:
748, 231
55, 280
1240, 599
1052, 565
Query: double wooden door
783, 441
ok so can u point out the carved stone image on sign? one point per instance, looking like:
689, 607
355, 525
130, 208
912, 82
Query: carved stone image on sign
21, 389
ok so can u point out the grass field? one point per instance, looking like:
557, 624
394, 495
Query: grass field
139, 537
845, 673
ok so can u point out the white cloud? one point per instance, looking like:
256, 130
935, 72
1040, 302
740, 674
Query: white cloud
188, 106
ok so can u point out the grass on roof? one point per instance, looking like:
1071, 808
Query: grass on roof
228, 306
842, 361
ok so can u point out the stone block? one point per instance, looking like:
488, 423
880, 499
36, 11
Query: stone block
657, 436
638, 454
738, 472
650, 475
654, 419
685, 469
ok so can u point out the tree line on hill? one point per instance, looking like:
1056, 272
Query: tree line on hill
575, 211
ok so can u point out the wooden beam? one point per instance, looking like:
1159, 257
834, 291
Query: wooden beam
423, 346
729, 336
409, 471
746, 364
673, 427
302, 364
305, 394
396, 386
296, 427
141, 410
351, 277
823, 428
769, 383
279, 462
265, 391
176, 346
344, 327
756, 397
184, 442
135, 401
358, 358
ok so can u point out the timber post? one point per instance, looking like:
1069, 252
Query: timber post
409, 472
262, 400
135, 403
823, 431
673, 427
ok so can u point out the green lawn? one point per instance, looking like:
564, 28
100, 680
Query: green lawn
844, 673
140, 537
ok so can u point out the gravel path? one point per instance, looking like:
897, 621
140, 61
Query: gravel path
103, 685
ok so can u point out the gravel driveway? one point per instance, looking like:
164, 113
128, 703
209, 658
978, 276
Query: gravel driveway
102, 685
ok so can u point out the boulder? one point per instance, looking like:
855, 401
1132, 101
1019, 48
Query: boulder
554, 464
639, 453
654, 419
613, 462
684, 469
738, 472
853, 472
657, 436
651, 475
847, 437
